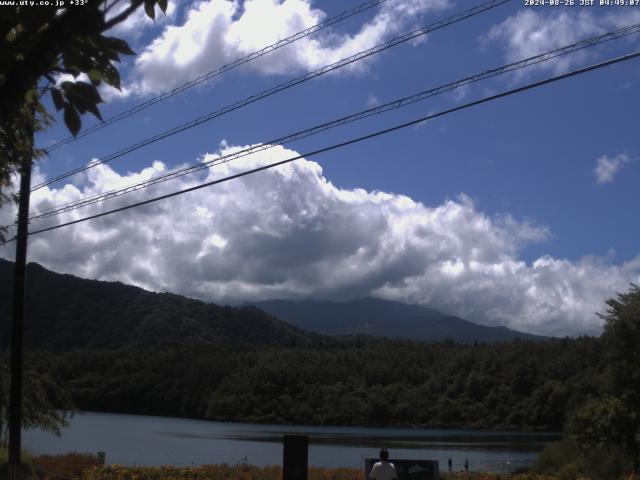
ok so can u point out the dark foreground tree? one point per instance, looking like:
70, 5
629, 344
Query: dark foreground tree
622, 342
46, 404
37, 44
609, 423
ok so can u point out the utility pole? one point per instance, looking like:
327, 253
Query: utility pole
17, 322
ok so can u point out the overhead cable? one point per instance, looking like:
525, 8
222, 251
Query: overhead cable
506, 93
395, 104
283, 86
219, 71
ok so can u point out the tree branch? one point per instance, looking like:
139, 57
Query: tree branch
109, 7
122, 16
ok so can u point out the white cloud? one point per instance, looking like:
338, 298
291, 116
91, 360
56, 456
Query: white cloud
136, 23
529, 33
217, 32
372, 101
288, 232
461, 93
607, 168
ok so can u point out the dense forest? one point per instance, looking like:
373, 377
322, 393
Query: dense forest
118, 348
516, 385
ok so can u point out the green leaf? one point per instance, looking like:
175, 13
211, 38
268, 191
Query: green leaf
87, 91
83, 96
72, 119
40, 108
31, 95
95, 76
58, 99
77, 61
11, 36
150, 8
163, 5
118, 45
111, 75
94, 109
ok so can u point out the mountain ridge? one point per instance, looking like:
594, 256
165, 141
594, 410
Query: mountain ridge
385, 318
64, 312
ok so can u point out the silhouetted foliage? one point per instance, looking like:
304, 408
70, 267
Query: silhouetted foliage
46, 405
39, 43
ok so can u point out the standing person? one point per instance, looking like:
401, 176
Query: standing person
450, 463
384, 469
466, 464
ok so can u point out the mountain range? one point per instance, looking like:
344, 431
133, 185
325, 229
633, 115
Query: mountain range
111, 347
384, 318
65, 312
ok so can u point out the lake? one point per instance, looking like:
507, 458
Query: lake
146, 440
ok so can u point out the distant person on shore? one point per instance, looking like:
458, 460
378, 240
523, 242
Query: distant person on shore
450, 463
466, 464
384, 469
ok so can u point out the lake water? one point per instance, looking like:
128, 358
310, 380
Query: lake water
146, 440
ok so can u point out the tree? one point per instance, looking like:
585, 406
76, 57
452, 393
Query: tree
621, 337
611, 420
46, 404
602, 423
39, 43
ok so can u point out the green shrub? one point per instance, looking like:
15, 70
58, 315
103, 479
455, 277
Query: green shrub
567, 461
604, 463
557, 455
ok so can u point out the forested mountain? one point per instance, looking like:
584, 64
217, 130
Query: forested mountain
118, 348
383, 318
518, 385
64, 312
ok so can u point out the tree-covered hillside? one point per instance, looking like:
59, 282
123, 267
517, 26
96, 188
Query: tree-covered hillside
515, 385
119, 348
64, 312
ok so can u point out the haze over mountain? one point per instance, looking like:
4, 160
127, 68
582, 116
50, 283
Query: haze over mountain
383, 318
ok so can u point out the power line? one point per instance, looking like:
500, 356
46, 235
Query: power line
225, 68
283, 86
351, 141
395, 104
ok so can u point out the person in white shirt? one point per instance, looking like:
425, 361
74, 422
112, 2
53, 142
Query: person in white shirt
384, 469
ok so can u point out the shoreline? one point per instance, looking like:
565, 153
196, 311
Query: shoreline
497, 429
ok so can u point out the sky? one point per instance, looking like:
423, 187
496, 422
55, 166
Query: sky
518, 212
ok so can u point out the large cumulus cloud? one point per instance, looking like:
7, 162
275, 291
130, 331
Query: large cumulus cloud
217, 32
288, 232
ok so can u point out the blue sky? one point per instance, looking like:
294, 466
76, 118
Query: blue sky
517, 212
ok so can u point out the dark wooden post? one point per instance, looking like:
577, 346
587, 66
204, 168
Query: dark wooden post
17, 322
295, 457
